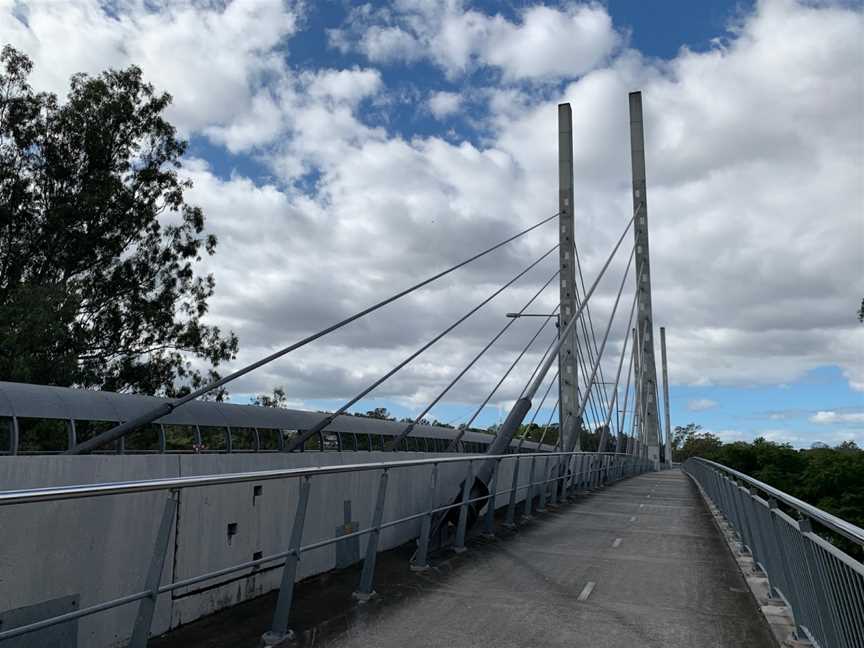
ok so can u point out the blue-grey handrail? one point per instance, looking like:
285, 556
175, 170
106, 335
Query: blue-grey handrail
825, 519
593, 475
56, 493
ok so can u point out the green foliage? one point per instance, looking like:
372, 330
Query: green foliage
831, 479
534, 432
688, 441
278, 399
382, 414
97, 242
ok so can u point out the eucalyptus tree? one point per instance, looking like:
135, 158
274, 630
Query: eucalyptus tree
98, 245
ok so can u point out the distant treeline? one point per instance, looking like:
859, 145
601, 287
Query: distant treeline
831, 479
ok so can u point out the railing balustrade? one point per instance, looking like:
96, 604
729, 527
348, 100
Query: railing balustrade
568, 473
822, 585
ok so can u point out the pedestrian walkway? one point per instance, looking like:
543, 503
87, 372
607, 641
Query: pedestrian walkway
637, 564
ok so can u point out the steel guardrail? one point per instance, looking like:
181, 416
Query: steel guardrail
570, 472
51, 494
827, 520
821, 584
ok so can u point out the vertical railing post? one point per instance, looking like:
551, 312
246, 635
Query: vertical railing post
147, 606
544, 484
421, 560
827, 613
279, 631
575, 476
510, 518
792, 594
365, 591
489, 521
529, 494
462, 526
556, 482
567, 482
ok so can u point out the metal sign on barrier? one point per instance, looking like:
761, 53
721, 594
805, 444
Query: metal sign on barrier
61, 635
348, 550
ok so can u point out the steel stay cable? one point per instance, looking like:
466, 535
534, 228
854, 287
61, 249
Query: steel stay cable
583, 370
538, 365
587, 357
587, 307
621, 432
166, 408
609, 327
617, 377
584, 358
549, 422
410, 427
529, 393
512, 366
536, 412
328, 419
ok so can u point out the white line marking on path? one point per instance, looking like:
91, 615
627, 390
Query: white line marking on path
617, 542
586, 591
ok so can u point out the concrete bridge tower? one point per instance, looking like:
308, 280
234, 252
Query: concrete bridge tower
647, 387
568, 383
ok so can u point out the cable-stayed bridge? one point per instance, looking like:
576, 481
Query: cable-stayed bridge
180, 509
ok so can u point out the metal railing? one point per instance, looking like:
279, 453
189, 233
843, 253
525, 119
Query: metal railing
822, 585
566, 473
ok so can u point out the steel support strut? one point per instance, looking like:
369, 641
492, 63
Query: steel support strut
279, 630
147, 606
365, 591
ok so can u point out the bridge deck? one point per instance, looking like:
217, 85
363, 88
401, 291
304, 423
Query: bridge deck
661, 574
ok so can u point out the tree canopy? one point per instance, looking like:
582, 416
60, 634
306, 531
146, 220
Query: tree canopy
830, 478
98, 245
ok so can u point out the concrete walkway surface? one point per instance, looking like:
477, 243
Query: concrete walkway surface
639, 563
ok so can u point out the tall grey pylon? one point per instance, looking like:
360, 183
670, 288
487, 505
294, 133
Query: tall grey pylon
647, 386
568, 383
666, 396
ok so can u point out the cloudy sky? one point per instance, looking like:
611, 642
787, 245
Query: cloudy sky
342, 151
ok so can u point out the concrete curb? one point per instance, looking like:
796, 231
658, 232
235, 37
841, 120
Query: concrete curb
774, 610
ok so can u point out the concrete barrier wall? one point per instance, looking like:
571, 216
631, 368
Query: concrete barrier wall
100, 548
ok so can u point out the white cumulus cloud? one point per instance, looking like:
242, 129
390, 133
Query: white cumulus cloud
828, 416
442, 104
754, 152
701, 404
543, 43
